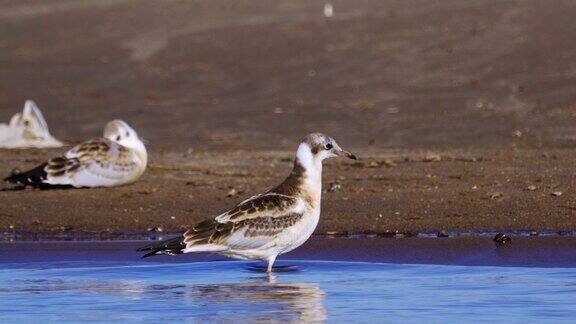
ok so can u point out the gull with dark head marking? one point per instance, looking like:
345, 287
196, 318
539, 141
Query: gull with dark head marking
118, 158
268, 224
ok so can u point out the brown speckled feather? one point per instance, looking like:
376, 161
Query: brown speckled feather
100, 155
265, 205
261, 216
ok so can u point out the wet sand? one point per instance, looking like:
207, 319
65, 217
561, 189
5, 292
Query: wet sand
399, 191
469, 251
463, 111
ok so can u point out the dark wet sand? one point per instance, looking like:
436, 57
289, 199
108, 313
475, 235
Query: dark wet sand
224, 89
470, 251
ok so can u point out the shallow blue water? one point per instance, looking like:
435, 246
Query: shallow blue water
302, 290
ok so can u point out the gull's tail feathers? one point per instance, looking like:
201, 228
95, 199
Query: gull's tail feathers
34, 178
171, 246
207, 236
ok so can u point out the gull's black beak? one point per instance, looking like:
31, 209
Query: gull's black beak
347, 154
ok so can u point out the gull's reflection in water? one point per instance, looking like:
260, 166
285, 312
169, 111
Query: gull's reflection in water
289, 300
254, 297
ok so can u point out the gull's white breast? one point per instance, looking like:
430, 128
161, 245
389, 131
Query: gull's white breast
294, 236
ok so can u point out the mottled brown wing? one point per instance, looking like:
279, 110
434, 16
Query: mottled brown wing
270, 205
252, 224
98, 157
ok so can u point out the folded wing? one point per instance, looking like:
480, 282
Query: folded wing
98, 162
252, 224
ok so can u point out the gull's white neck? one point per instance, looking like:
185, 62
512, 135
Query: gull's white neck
312, 180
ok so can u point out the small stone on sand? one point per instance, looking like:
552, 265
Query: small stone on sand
496, 195
442, 233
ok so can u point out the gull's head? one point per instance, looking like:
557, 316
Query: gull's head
318, 147
120, 132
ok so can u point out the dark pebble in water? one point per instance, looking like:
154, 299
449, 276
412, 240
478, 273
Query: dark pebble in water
502, 239
442, 233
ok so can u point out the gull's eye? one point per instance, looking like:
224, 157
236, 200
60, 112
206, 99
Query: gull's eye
127, 134
328, 146
118, 138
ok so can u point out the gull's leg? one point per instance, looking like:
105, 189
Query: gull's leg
271, 262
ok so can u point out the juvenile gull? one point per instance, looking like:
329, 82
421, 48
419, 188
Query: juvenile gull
27, 129
118, 158
268, 224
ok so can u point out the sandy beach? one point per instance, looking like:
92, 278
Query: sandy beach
400, 191
462, 112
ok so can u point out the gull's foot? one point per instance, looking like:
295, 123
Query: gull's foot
261, 268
